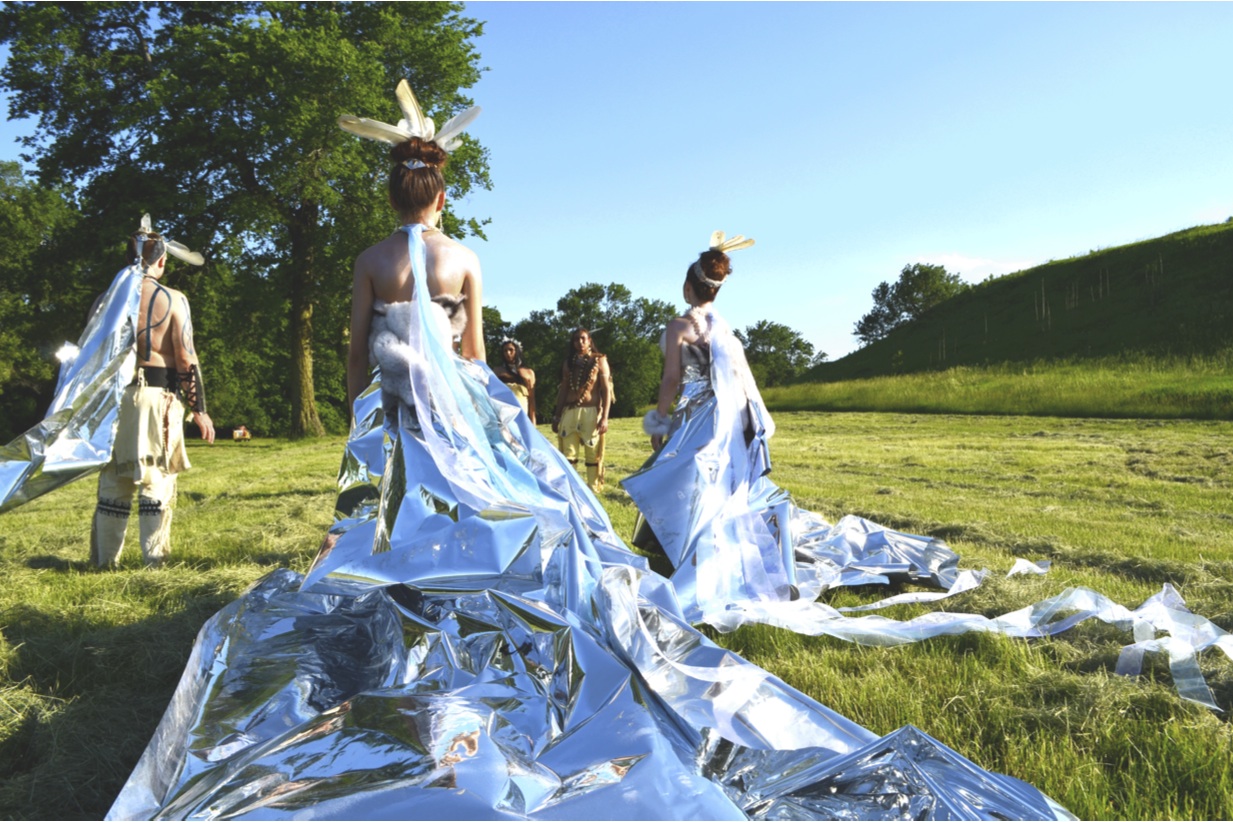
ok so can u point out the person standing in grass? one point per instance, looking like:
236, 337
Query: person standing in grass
149, 448
703, 497
516, 376
584, 399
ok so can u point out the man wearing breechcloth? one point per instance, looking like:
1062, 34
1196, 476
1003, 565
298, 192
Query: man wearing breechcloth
149, 446
583, 402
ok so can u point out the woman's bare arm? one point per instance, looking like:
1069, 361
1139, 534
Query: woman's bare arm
473, 335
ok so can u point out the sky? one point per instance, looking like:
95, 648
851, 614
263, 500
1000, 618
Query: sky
849, 140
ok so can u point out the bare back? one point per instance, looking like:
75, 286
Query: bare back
164, 327
383, 272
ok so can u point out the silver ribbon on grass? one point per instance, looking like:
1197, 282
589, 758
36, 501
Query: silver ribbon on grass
76, 436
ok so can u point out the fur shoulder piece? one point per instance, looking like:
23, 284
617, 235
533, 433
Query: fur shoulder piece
455, 307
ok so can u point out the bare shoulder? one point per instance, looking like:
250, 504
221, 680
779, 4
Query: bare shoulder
378, 256
678, 327
178, 300
443, 248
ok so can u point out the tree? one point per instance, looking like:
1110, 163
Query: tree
624, 327
40, 304
219, 119
776, 353
920, 287
495, 330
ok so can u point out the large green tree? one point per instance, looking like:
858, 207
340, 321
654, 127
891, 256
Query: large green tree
776, 353
624, 327
219, 119
920, 287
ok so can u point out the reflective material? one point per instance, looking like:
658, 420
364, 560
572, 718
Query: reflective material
474, 646
76, 436
706, 501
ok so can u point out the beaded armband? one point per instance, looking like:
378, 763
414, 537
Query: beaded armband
192, 388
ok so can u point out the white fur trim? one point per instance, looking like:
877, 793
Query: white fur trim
656, 424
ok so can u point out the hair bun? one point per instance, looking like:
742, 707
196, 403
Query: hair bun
715, 265
430, 154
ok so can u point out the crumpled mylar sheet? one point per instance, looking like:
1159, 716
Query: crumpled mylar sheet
77, 434
511, 661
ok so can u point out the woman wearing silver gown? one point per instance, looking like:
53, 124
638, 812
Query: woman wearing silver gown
474, 641
704, 496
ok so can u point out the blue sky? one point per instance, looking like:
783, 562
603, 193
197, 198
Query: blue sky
848, 139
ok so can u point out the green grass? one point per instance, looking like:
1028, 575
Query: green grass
1126, 386
90, 659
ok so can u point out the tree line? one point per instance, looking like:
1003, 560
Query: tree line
219, 119
241, 316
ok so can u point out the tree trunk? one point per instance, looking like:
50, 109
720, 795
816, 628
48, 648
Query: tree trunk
304, 419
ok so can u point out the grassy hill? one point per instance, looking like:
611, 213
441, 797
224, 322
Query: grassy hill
1167, 297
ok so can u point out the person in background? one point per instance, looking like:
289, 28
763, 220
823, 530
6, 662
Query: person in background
516, 376
583, 402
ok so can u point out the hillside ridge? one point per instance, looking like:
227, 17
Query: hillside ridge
1166, 296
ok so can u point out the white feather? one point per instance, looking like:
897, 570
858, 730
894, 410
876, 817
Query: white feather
717, 239
735, 244
416, 123
455, 126
146, 226
374, 130
181, 251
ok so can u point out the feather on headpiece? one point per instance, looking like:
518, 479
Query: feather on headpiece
721, 244
412, 124
718, 243
175, 249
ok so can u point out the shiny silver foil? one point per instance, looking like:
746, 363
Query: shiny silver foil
76, 437
744, 553
474, 642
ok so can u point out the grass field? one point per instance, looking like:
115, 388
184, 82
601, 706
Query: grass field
89, 659
1126, 386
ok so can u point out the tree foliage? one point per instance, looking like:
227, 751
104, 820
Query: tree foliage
220, 120
624, 327
776, 353
42, 302
920, 287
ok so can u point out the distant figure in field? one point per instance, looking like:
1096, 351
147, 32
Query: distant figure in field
519, 378
149, 447
583, 402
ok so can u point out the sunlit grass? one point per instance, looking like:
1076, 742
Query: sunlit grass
89, 659
1120, 387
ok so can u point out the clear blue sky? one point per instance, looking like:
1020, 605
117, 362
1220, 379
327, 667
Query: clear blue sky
849, 139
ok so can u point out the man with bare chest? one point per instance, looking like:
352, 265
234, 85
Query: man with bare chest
149, 446
583, 402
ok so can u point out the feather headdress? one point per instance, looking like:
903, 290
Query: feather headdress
179, 250
718, 243
412, 124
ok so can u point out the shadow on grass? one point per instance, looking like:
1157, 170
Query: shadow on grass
67, 756
54, 563
287, 492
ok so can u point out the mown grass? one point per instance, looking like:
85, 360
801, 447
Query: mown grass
1126, 386
89, 659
